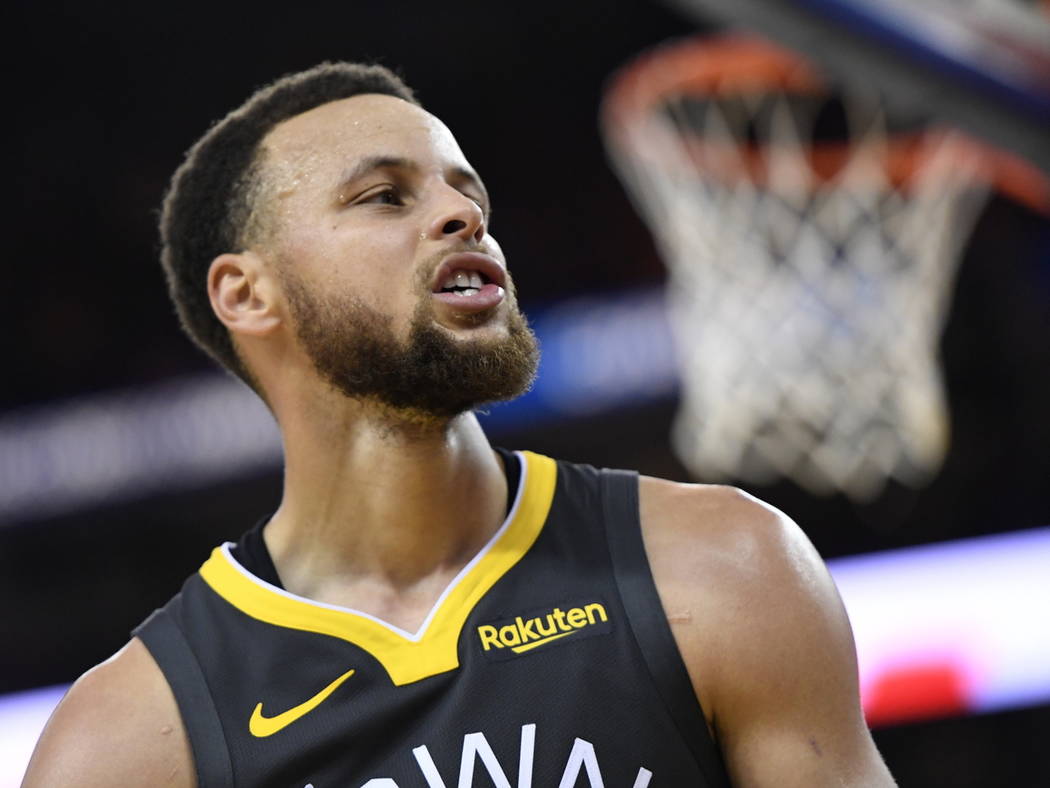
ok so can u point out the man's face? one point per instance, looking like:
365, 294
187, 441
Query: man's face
379, 228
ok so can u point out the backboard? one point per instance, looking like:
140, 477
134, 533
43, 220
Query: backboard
980, 65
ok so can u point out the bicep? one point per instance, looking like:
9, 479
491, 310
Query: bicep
118, 725
787, 707
791, 716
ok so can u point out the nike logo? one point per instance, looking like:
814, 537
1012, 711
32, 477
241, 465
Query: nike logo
261, 726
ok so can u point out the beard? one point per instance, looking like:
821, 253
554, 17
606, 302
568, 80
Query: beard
430, 376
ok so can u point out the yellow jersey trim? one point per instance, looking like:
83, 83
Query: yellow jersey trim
406, 657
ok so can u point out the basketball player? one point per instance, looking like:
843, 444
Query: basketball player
423, 609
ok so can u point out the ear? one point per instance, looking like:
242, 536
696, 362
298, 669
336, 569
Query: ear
243, 294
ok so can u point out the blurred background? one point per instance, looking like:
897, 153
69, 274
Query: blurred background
125, 456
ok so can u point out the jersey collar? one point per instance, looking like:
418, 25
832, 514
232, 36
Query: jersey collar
406, 656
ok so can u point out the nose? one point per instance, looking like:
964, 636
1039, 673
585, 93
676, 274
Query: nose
457, 216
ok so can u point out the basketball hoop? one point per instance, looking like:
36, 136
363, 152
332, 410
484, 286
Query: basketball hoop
811, 240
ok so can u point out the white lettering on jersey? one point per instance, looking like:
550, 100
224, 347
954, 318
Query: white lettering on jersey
475, 746
582, 756
426, 764
528, 747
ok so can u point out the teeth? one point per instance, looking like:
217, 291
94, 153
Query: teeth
463, 282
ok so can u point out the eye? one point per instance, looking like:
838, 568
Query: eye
386, 195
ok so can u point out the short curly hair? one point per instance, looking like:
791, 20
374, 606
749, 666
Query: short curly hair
210, 201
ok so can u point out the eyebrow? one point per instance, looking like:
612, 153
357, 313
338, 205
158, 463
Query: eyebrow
370, 164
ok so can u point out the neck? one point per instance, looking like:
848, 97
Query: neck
380, 515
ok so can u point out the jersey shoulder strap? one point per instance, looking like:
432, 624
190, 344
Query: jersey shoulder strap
648, 621
162, 636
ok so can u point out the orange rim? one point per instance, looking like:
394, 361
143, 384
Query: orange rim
730, 65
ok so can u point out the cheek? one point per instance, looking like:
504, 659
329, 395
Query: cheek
375, 264
383, 265
378, 269
492, 244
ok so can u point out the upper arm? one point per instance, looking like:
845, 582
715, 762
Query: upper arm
764, 636
118, 725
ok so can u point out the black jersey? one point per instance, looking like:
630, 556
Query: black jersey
546, 663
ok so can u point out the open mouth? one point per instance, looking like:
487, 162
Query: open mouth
468, 273
469, 283
464, 283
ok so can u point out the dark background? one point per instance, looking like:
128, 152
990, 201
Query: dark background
108, 96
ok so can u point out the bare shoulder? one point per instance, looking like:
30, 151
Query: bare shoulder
118, 725
720, 539
764, 636
717, 554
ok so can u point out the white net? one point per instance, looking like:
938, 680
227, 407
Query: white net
807, 307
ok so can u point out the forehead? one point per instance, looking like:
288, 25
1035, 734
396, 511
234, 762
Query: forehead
341, 131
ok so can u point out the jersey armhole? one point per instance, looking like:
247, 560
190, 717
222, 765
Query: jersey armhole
167, 645
648, 621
